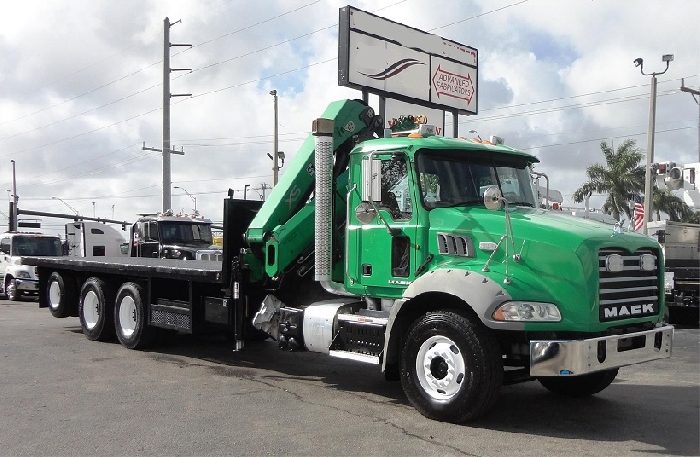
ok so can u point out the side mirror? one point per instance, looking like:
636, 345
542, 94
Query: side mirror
493, 198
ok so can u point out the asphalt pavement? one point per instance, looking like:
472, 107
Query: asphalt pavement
62, 395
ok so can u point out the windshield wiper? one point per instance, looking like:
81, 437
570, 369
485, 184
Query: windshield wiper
465, 203
522, 204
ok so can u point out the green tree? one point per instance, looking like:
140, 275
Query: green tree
665, 202
691, 216
621, 176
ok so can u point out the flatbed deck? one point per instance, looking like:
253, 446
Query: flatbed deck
192, 270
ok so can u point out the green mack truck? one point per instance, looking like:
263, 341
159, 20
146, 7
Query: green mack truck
426, 256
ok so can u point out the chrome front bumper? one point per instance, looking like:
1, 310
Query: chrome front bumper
27, 285
571, 358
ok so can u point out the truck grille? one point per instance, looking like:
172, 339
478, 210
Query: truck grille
631, 292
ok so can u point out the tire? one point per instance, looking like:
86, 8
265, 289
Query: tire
11, 291
96, 310
451, 368
579, 386
61, 296
130, 323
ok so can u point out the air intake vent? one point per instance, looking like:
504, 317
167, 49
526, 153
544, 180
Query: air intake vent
455, 245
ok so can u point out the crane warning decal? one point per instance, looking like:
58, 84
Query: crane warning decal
453, 85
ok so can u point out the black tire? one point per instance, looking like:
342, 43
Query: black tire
11, 291
61, 296
96, 310
579, 386
465, 370
130, 322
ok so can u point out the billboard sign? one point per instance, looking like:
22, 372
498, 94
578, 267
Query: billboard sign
393, 60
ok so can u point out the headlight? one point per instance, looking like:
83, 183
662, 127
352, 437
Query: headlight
647, 262
23, 274
614, 263
520, 311
172, 253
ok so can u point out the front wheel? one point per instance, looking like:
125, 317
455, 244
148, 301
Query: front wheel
579, 386
451, 368
130, 318
11, 291
96, 310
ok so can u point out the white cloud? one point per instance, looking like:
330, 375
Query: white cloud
81, 88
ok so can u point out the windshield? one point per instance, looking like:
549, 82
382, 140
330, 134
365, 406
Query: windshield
34, 245
452, 178
178, 232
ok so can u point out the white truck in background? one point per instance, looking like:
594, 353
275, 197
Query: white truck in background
17, 279
82, 239
93, 239
680, 242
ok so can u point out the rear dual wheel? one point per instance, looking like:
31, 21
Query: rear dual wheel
61, 296
96, 309
130, 318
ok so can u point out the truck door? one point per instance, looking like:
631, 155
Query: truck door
146, 239
387, 245
74, 239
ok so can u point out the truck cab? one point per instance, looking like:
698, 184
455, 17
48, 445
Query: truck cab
93, 239
173, 236
18, 279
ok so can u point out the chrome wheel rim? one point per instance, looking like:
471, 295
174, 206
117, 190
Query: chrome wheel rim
127, 316
440, 367
54, 295
91, 310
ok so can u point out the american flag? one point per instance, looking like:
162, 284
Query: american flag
638, 213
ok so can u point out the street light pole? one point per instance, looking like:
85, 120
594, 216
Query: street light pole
194, 199
275, 155
648, 176
69, 207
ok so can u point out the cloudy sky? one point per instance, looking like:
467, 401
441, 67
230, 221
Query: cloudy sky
81, 89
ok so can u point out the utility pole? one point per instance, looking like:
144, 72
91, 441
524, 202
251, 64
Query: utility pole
15, 200
275, 157
166, 110
648, 177
264, 187
693, 92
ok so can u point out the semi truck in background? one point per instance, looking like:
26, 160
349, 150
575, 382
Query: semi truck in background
458, 287
93, 239
173, 236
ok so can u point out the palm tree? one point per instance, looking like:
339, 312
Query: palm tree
691, 216
664, 201
621, 176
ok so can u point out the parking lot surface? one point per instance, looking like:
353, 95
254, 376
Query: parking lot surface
66, 396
